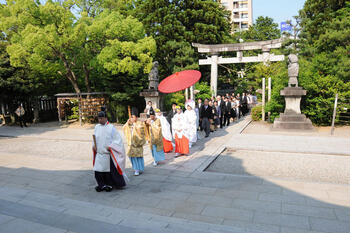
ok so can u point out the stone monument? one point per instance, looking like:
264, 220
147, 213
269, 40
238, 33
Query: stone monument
292, 117
152, 94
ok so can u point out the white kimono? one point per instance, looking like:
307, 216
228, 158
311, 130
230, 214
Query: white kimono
191, 125
107, 137
166, 133
178, 123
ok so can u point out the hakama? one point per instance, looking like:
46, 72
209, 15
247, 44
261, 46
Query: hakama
182, 145
157, 155
168, 146
166, 133
138, 164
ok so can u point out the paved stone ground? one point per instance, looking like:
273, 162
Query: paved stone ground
46, 185
301, 166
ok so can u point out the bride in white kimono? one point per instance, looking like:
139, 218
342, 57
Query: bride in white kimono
191, 122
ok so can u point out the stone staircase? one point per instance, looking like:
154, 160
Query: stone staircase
57, 214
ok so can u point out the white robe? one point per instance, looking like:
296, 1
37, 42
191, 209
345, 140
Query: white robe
108, 137
166, 133
191, 125
178, 123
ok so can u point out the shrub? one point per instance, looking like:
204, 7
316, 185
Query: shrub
256, 113
177, 97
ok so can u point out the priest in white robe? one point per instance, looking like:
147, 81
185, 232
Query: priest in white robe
109, 156
166, 132
191, 122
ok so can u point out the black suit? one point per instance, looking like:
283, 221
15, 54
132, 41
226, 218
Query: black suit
227, 113
206, 114
244, 105
221, 117
169, 116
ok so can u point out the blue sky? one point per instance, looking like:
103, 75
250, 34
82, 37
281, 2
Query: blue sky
279, 10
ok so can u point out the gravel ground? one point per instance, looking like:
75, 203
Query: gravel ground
307, 167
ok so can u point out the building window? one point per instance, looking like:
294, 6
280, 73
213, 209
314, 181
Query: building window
244, 26
244, 15
243, 5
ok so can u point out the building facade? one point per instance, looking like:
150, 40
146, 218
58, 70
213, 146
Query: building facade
241, 13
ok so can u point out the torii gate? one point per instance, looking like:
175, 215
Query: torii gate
215, 50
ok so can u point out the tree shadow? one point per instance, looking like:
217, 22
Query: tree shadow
243, 200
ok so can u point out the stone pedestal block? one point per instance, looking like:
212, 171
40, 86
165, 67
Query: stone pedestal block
292, 117
154, 96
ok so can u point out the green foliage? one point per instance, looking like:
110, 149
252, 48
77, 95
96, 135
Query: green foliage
176, 24
117, 112
257, 113
325, 60
317, 16
279, 80
93, 46
74, 110
204, 90
264, 28
321, 91
177, 97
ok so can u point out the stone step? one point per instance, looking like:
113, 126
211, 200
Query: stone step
73, 215
298, 125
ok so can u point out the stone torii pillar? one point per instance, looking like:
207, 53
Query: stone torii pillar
214, 59
214, 74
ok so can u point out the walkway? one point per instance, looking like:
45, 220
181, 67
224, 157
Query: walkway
46, 185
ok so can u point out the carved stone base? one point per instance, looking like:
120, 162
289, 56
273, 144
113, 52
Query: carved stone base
292, 117
292, 121
154, 96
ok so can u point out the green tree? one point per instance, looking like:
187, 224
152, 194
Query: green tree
264, 28
176, 24
316, 17
50, 39
324, 59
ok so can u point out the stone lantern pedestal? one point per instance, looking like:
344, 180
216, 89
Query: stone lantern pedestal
151, 95
292, 117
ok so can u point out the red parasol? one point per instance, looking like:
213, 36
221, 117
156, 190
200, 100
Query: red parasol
179, 81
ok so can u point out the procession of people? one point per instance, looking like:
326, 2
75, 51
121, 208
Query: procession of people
177, 132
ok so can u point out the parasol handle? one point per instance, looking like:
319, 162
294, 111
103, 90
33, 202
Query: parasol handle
94, 138
129, 111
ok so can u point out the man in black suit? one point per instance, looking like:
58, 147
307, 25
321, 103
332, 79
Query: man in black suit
171, 114
199, 106
244, 104
227, 111
239, 103
206, 113
221, 105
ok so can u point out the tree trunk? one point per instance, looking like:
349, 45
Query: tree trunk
87, 77
70, 74
75, 85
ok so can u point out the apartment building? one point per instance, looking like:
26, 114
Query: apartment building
241, 13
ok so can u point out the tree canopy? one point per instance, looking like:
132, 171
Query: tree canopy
50, 39
264, 28
176, 24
